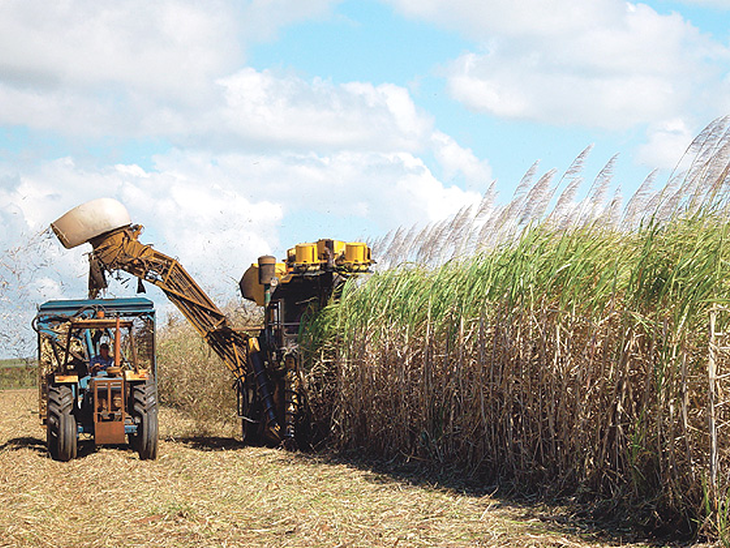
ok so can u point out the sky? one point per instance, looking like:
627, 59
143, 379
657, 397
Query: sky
233, 129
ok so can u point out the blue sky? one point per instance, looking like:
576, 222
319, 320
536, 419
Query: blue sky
231, 129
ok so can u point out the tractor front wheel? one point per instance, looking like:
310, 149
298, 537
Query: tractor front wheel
61, 430
144, 412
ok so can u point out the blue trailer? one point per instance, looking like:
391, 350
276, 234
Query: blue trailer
97, 374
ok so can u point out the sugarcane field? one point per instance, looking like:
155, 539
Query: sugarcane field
373, 273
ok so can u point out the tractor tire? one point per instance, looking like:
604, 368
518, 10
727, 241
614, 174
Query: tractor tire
144, 412
61, 430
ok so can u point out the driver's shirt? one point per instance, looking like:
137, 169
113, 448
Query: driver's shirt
101, 362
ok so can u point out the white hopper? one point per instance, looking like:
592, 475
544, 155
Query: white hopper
90, 220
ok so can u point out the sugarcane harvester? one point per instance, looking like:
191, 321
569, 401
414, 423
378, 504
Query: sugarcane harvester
271, 402
290, 291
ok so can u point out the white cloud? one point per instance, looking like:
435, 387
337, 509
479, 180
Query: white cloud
666, 144
284, 109
93, 68
456, 161
175, 46
481, 21
606, 64
48, 289
263, 18
259, 109
369, 189
721, 4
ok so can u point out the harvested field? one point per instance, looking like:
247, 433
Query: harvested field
214, 492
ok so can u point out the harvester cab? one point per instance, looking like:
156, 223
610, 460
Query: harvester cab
115, 405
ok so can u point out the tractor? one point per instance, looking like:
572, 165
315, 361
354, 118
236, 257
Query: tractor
116, 405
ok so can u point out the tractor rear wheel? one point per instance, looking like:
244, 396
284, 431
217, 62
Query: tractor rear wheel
61, 430
144, 412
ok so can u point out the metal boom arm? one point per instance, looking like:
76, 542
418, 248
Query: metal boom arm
121, 250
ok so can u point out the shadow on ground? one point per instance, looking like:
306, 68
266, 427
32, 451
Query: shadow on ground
590, 521
85, 447
24, 443
203, 443
602, 521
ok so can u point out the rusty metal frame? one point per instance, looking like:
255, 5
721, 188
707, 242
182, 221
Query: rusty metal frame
109, 420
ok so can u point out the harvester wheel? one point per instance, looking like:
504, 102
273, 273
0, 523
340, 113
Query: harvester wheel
61, 431
144, 411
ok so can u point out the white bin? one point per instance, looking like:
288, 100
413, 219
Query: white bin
90, 220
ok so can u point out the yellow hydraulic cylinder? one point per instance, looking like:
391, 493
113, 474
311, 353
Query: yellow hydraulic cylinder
357, 253
306, 255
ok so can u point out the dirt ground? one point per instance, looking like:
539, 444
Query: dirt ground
214, 492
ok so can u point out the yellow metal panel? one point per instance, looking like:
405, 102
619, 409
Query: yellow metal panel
130, 375
322, 249
252, 289
66, 378
338, 247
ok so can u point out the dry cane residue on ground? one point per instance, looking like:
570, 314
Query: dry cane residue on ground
215, 492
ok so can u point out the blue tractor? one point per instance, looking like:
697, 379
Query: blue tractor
111, 404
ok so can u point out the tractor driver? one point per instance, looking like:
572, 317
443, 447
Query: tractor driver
101, 361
